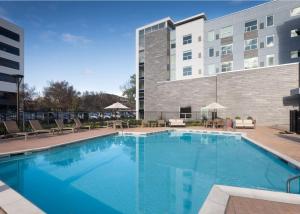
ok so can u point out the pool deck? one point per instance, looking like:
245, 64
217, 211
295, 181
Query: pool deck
253, 201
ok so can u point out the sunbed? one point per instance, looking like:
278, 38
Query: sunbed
13, 129
78, 125
37, 127
61, 127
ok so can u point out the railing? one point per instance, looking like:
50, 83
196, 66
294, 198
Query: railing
288, 182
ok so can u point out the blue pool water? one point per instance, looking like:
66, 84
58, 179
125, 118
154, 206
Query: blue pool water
171, 172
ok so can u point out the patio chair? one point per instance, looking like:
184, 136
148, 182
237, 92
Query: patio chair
219, 123
13, 129
161, 123
248, 124
61, 126
78, 125
37, 127
145, 123
209, 123
176, 123
238, 124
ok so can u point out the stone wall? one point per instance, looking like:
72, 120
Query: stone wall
257, 93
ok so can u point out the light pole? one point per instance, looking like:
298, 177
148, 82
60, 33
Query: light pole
18, 78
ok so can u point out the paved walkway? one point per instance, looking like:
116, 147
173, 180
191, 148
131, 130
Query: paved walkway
242, 205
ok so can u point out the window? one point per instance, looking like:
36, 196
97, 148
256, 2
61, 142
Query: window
211, 69
161, 25
270, 60
173, 43
251, 44
270, 21
226, 49
187, 39
141, 56
199, 39
199, 55
226, 66
211, 36
295, 54
226, 32
9, 63
9, 49
295, 32
270, 41
187, 55
186, 112
9, 34
251, 63
251, 26
295, 11
187, 71
211, 52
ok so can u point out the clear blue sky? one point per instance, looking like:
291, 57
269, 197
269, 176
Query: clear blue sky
92, 44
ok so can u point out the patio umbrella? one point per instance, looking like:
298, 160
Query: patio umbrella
213, 107
116, 106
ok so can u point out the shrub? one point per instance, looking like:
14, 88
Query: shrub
237, 117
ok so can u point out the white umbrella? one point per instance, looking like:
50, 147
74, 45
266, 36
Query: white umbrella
116, 105
213, 106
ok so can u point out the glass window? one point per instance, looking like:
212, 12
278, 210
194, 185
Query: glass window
148, 30
270, 20
270, 41
295, 11
173, 43
270, 60
9, 63
187, 71
226, 66
226, 31
187, 55
295, 32
226, 49
154, 27
251, 44
211, 52
250, 26
9, 49
211, 69
141, 32
251, 63
161, 25
211, 36
9, 34
295, 54
187, 39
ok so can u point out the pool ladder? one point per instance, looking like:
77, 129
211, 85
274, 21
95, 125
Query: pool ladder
288, 182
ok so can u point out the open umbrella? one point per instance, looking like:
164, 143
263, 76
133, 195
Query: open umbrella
213, 107
116, 106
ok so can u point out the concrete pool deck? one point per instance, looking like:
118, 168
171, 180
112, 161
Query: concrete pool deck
286, 145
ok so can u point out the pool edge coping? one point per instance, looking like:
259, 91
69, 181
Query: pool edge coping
217, 199
13, 202
38, 149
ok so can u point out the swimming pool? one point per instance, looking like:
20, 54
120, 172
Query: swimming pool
170, 172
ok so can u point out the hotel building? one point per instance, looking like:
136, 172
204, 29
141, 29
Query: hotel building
246, 61
11, 63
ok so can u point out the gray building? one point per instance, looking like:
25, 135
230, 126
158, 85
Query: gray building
261, 36
247, 61
11, 63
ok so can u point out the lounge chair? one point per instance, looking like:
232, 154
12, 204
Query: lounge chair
13, 129
238, 124
78, 125
37, 127
61, 127
219, 123
161, 123
145, 123
176, 123
248, 124
209, 123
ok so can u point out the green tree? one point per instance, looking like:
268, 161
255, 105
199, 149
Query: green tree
128, 89
61, 96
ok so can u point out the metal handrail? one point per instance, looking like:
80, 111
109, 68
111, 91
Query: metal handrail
288, 182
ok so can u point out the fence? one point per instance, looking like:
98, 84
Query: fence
164, 115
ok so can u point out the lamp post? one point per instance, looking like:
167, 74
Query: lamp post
18, 78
